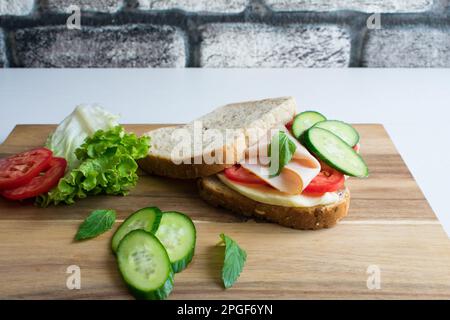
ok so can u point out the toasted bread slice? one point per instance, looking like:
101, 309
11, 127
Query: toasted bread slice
237, 123
213, 191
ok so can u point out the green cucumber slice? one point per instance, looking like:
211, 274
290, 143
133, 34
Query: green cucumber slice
343, 130
305, 120
178, 235
147, 219
145, 266
335, 152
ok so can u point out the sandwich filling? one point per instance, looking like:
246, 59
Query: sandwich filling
272, 196
294, 176
252, 178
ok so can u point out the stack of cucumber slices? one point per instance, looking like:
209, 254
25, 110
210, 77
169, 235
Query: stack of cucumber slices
331, 141
151, 246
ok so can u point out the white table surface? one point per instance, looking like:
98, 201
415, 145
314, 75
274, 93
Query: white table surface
413, 104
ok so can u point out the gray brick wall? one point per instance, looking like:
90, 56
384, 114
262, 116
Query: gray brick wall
358, 5
216, 6
259, 45
117, 46
16, 7
225, 33
3, 60
61, 6
407, 47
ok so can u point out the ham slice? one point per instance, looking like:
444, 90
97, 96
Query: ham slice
294, 177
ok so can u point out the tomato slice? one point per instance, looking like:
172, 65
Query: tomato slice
328, 180
41, 183
19, 169
289, 125
239, 174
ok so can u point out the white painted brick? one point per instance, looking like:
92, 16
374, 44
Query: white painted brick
357, 5
16, 7
260, 45
3, 61
407, 47
118, 46
61, 6
217, 6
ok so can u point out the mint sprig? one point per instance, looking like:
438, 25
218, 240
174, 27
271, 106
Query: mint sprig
98, 222
281, 151
234, 261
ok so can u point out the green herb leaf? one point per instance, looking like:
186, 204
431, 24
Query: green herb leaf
98, 222
234, 261
107, 166
281, 150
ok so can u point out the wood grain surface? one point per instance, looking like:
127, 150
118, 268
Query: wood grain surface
390, 225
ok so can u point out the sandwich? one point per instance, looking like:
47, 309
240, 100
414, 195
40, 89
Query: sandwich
262, 159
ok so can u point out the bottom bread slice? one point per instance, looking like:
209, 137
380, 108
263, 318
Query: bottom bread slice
213, 191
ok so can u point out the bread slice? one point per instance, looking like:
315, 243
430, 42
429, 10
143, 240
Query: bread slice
213, 191
237, 123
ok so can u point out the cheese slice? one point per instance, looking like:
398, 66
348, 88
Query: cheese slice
268, 195
294, 177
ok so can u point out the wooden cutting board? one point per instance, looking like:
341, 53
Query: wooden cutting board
390, 227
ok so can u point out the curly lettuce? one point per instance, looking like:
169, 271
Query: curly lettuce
107, 165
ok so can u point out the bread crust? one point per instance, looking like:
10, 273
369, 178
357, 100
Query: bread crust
282, 111
213, 191
166, 168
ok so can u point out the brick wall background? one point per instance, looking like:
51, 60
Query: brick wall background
225, 33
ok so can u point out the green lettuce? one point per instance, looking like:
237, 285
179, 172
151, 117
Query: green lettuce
107, 165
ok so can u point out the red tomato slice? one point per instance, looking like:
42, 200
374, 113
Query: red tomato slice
328, 180
239, 174
19, 169
289, 125
41, 183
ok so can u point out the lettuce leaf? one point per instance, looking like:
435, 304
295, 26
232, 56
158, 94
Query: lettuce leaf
107, 166
70, 134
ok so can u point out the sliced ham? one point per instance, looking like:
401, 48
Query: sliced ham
294, 177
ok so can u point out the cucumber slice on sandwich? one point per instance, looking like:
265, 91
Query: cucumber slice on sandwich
145, 266
343, 130
305, 120
335, 152
178, 235
147, 219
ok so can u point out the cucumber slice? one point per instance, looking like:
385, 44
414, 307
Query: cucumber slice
305, 120
343, 130
145, 266
178, 235
147, 219
335, 152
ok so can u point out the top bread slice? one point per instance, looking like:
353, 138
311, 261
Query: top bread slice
237, 124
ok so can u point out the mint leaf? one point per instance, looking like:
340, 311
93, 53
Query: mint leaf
281, 150
98, 222
234, 261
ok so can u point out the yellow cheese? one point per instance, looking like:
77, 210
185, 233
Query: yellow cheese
268, 195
